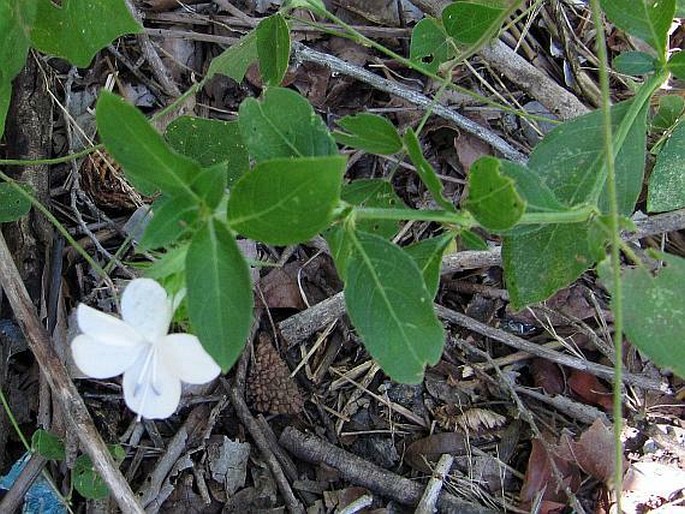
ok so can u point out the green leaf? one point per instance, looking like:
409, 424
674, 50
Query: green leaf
654, 313
171, 219
13, 205
425, 170
210, 184
286, 201
219, 293
469, 21
283, 124
493, 199
427, 255
569, 161
369, 132
273, 49
171, 262
210, 142
635, 63
47, 444
472, 241
391, 308
676, 65
374, 193
147, 160
16, 19
77, 29
666, 190
670, 109
538, 197
680, 8
539, 263
236, 59
86, 479
371, 193
647, 19
430, 47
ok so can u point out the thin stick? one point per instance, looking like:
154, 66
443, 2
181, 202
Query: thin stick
430, 495
62, 387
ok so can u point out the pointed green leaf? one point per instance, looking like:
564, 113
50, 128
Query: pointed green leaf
666, 190
286, 201
469, 21
676, 65
635, 63
427, 255
472, 241
86, 479
16, 19
147, 160
670, 109
283, 124
425, 170
219, 293
210, 142
493, 199
654, 313
236, 59
13, 204
369, 132
210, 184
273, 49
374, 193
77, 29
647, 19
391, 308
172, 218
430, 46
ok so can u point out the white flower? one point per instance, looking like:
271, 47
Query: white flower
153, 362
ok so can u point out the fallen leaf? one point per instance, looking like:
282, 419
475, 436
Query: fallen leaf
589, 389
547, 375
594, 451
429, 449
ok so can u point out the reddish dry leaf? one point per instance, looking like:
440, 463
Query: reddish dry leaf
589, 389
469, 149
280, 288
594, 451
429, 449
547, 375
539, 477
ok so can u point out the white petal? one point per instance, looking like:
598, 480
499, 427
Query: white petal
100, 360
146, 307
150, 388
104, 328
187, 359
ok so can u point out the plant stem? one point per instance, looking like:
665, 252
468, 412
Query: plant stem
575, 215
55, 160
438, 216
617, 300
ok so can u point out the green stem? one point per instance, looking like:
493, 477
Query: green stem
575, 215
438, 216
13, 421
55, 160
617, 297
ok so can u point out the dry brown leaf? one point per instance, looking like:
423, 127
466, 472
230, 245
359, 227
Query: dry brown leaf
280, 289
547, 375
594, 451
589, 389
477, 420
429, 449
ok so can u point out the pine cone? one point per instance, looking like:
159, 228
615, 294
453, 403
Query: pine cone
269, 384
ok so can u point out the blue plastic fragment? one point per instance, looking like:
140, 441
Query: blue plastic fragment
41, 498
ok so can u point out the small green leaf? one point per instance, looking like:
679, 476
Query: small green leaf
647, 19
369, 132
283, 124
635, 63
670, 109
13, 204
47, 444
430, 46
147, 160
391, 308
425, 170
493, 199
171, 219
472, 241
16, 19
86, 479
654, 313
210, 142
286, 201
219, 293
340, 245
676, 65
666, 191
374, 193
77, 29
538, 197
469, 21
210, 184
273, 49
236, 59
171, 262
427, 255
680, 9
